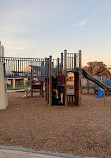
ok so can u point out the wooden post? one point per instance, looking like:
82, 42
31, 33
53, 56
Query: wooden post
41, 89
61, 62
58, 66
65, 73
50, 81
87, 86
52, 67
74, 61
76, 88
46, 72
46, 89
13, 83
80, 76
31, 82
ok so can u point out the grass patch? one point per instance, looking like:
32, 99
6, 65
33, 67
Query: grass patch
16, 88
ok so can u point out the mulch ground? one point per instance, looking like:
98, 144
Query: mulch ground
79, 130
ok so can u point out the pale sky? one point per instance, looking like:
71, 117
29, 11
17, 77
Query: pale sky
39, 28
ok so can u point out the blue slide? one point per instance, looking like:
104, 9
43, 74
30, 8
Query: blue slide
100, 94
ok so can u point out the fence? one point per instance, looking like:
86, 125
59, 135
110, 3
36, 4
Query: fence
89, 87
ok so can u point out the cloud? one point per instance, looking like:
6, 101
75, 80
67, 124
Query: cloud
82, 23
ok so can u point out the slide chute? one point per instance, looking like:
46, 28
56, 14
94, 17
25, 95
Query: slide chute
100, 84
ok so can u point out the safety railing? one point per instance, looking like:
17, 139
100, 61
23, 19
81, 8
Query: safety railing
15, 67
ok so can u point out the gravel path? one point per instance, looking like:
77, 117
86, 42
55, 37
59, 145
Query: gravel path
79, 130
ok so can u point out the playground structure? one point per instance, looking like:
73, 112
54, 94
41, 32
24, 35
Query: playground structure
43, 69
69, 62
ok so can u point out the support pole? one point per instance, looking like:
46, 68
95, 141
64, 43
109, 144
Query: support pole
76, 88
74, 79
74, 61
31, 90
26, 86
61, 61
41, 88
65, 73
57, 65
45, 89
46, 73
31, 83
80, 75
52, 67
13, 83
87, 86
50, 81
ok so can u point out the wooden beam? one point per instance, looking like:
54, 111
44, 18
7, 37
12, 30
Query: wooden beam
61, 61
46, 89
74, 61
58, 66
80, 74
76, 89
50, 81
31, 82
65, 73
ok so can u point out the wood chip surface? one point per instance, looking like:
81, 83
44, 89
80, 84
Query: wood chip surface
79, 130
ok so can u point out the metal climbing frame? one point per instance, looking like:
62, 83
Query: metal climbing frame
72, 61
67, 62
